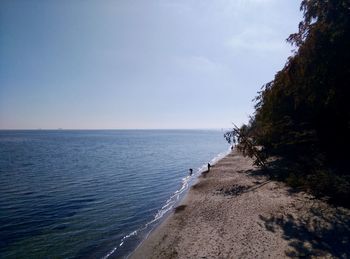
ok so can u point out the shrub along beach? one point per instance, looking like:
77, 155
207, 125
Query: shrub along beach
302, 117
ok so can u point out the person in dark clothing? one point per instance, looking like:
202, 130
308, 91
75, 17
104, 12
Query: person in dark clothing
191, 171
209, 167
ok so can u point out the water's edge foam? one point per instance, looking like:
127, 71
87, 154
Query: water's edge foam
162, 213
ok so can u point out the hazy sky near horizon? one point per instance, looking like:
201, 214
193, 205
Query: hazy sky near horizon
138, 64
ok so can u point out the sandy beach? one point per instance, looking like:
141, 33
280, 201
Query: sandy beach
234, 211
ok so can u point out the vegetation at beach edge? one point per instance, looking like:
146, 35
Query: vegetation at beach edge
299, 131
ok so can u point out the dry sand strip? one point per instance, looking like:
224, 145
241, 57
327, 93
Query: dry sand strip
236, 212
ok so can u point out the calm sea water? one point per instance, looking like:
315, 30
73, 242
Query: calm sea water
93, 194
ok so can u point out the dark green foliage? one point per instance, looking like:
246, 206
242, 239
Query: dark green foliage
303, 115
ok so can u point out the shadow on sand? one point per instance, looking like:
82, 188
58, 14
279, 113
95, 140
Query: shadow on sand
322, 231
319, 230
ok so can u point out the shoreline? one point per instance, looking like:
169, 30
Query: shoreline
141, 234
182, 197
234, 211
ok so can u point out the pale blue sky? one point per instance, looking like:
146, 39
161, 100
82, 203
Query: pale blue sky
100, 64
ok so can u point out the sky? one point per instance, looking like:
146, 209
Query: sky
125, 64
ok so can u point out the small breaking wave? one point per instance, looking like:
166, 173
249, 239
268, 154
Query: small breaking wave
186, 182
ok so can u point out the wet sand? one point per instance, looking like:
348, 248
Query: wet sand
234, 211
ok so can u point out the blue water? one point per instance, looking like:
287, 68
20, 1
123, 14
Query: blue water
93, 194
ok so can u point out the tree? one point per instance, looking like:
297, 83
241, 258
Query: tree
303, 114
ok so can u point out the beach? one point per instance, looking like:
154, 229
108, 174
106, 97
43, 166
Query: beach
235, 211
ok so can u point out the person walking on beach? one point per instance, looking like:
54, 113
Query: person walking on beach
209, 167
191, 171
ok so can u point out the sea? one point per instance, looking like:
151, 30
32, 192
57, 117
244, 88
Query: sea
94, 193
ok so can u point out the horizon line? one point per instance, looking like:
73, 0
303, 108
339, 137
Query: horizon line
68, 129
